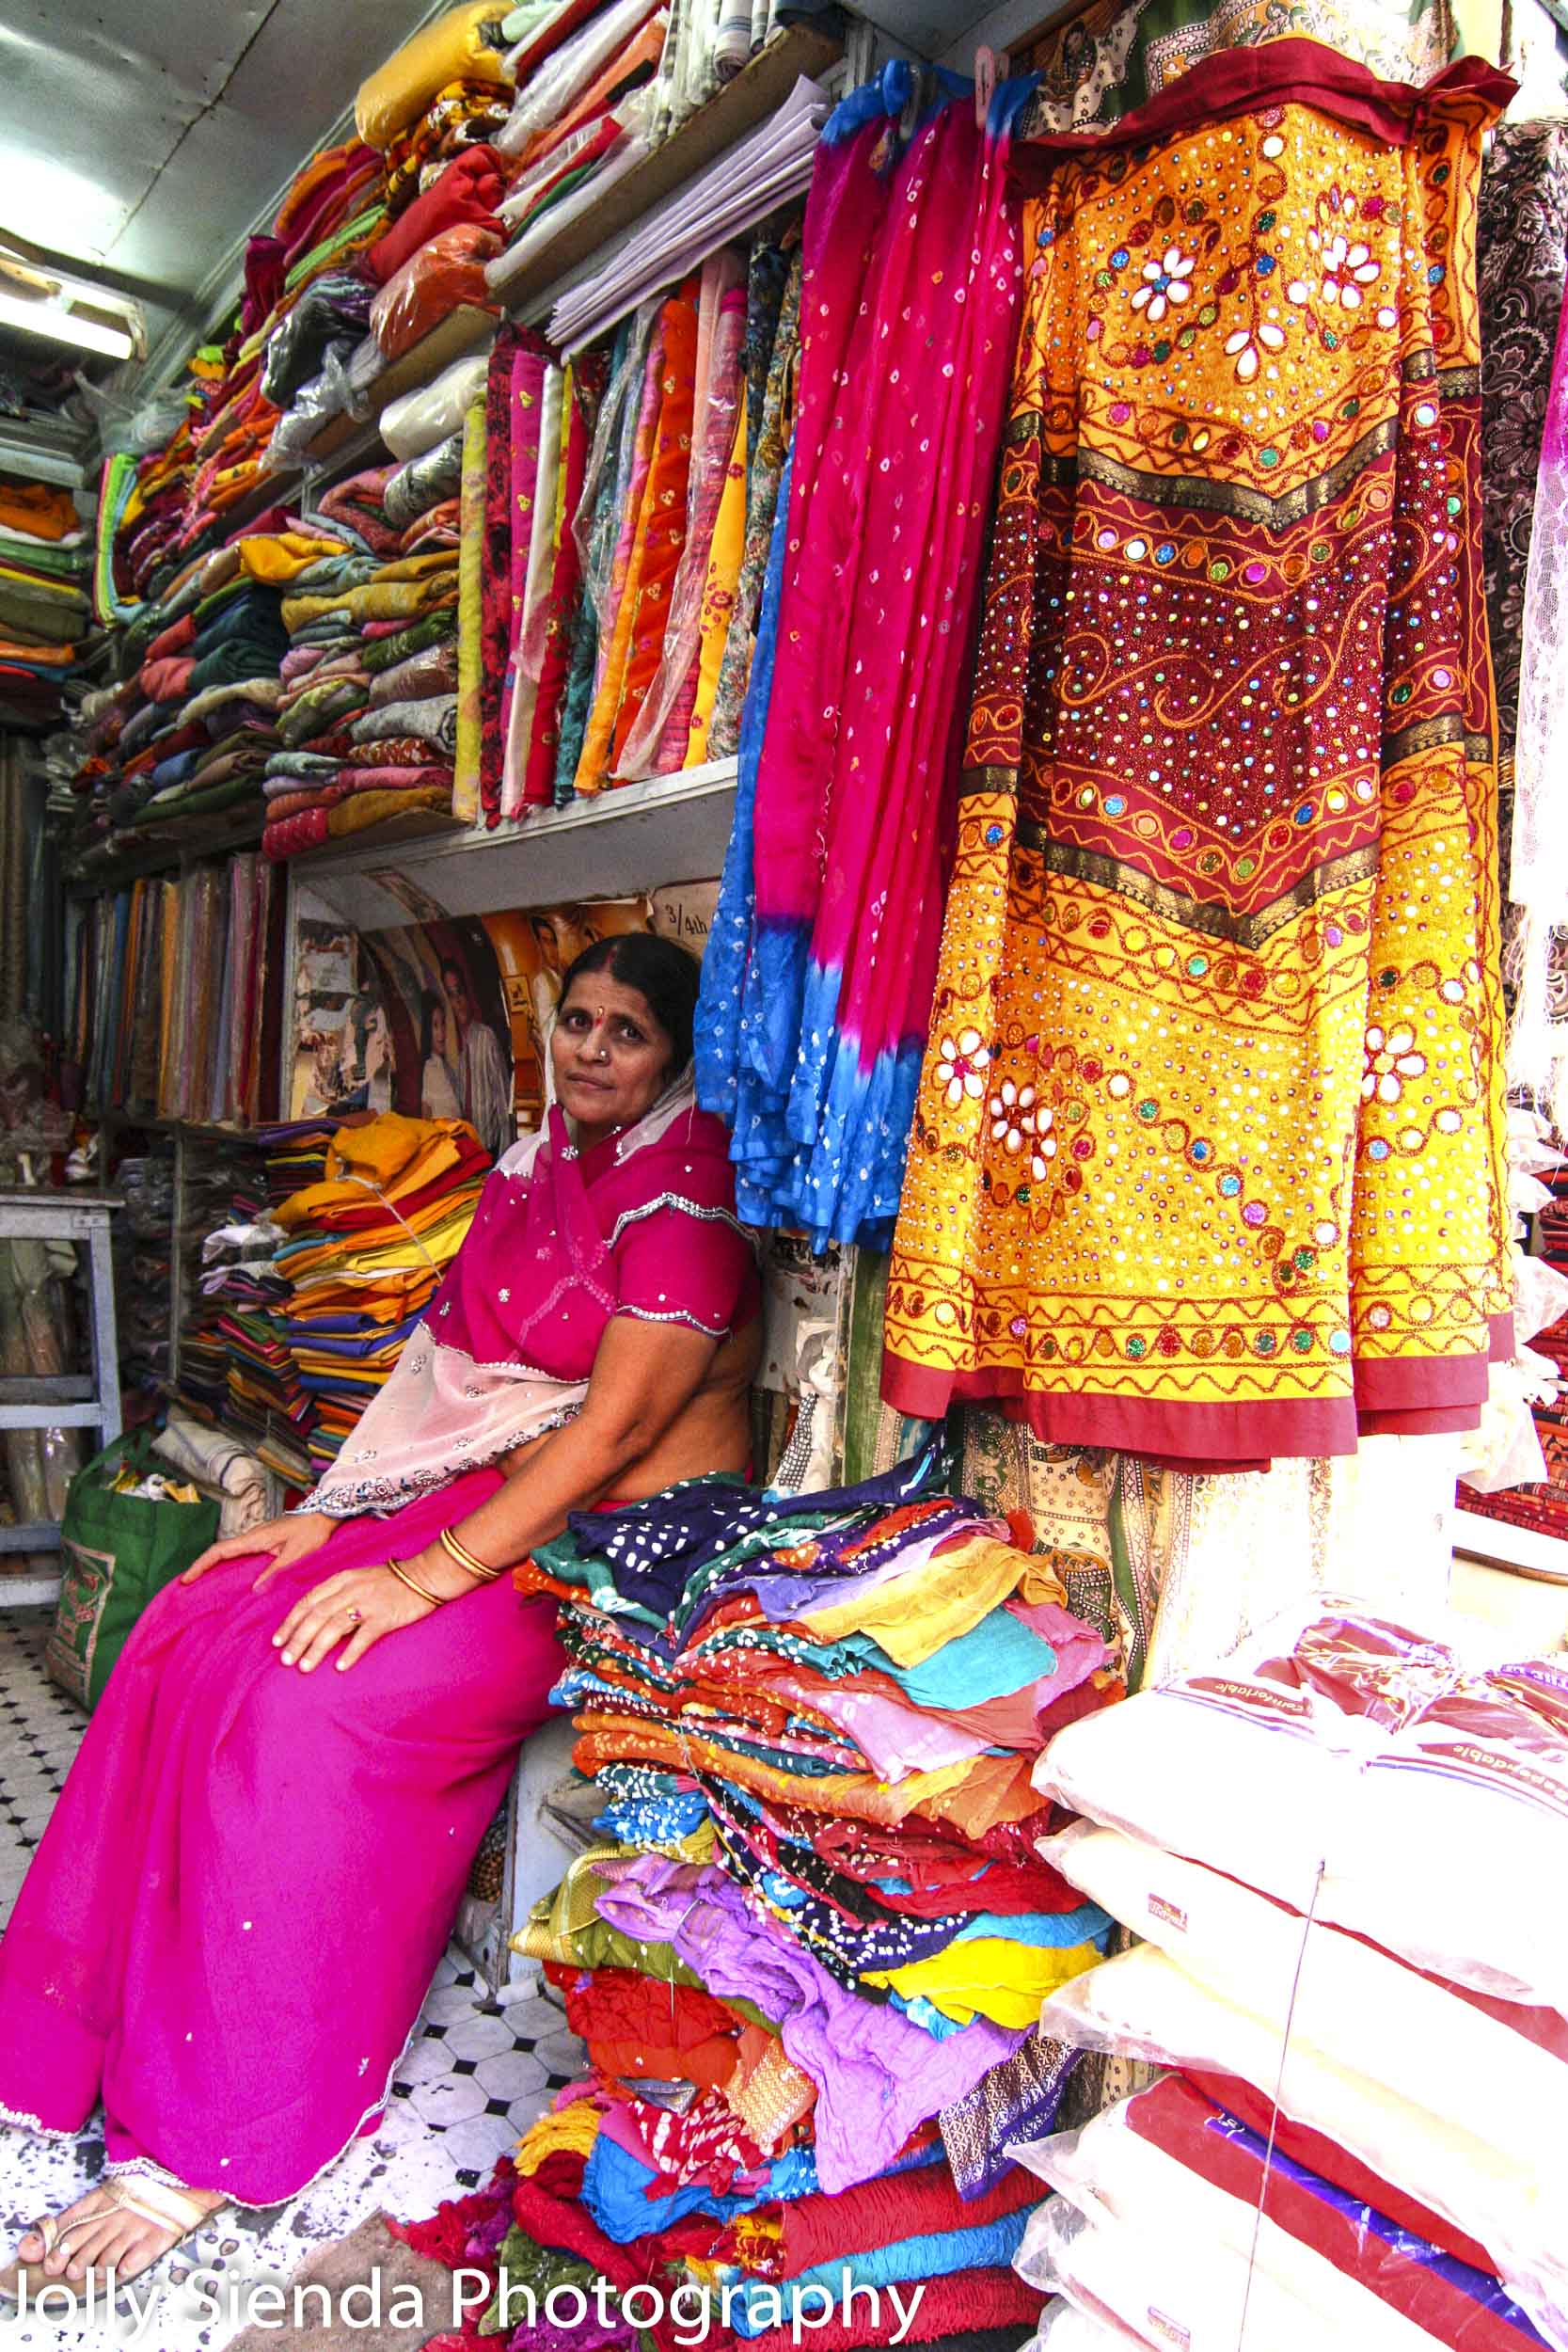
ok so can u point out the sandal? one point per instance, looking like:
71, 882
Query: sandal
167, 2206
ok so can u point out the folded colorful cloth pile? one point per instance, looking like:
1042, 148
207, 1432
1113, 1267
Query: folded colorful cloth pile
807, 1960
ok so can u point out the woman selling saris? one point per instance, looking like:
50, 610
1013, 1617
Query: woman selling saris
237, 1908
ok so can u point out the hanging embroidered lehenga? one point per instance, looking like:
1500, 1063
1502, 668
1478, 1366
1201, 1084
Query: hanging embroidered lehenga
240, 1900
1207, 1157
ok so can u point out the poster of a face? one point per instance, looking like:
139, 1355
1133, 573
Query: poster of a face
448, 1018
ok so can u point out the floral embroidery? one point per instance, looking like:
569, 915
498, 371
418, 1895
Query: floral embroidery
1242, 346
1165, 282
1391, 1059
1346, 269
1012, 1116
961, 1066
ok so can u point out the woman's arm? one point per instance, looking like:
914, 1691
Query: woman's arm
645, 1375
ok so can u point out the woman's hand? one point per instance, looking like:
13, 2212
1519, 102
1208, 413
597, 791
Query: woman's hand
295, 1536
357, 1607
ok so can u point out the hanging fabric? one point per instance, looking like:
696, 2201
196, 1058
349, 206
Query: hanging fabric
909, 296
1207, 1161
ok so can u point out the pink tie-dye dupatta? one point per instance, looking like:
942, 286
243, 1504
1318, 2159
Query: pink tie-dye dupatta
908, 306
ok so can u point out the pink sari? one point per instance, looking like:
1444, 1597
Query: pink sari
235, 1912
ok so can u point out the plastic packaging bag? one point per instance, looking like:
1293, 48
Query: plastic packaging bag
546, 94
448, 270
333, 393
434, 411
1176, 2221
1142, 2006
457, 47
1329, 1763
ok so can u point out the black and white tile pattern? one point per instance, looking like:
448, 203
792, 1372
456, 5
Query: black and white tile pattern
476, 2075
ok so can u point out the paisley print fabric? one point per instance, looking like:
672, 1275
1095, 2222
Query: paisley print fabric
1207, 1153
1521, 248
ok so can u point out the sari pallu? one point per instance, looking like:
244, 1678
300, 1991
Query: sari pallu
1207, 1157
231, 1964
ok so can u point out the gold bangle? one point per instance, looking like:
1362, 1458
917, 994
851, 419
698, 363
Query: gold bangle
437, 1601
467, 1561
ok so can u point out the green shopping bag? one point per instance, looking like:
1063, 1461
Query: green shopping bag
116, 1552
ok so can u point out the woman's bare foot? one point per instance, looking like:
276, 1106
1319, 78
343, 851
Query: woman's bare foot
103, 2232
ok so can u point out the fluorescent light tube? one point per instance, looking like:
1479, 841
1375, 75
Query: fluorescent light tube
64, 327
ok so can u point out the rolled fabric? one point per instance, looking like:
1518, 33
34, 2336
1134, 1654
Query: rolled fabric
456, 45
468, 189
434, 411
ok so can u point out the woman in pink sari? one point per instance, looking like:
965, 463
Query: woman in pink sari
236, 1911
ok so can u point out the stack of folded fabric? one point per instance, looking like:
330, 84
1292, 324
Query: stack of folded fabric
630, 500
306, 299
808, 1957
142, 1239
296, 1151
1345, 1849
446, 91
45, 600
365, 1249
367, 723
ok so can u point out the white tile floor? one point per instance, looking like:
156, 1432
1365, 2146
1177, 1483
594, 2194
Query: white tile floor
475, 2077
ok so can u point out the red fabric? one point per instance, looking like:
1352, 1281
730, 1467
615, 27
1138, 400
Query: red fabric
1188, 2127
469, 189
884, 2212
1326, 2156
1280, 73
174, 639
440, 275
948, 2306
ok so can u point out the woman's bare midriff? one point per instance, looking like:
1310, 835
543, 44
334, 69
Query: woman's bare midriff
713, 1432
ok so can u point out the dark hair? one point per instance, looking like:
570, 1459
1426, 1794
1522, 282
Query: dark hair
360, 1014
661, 971
431, 1003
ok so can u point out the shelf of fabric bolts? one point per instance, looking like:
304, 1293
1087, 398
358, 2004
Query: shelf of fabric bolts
633, 837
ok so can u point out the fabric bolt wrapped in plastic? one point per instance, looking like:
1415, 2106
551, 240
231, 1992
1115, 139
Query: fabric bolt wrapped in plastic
562, 79
447, 271
1494, 2206
456, 45
1065, 2329
1329, 1762
469, 189
1178, 2222
434, 411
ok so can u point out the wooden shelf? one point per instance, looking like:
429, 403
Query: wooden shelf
757, 91
632, 838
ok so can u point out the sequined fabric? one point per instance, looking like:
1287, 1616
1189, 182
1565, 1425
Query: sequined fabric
1206, 1159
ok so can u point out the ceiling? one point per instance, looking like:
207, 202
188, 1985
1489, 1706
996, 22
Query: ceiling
141, 139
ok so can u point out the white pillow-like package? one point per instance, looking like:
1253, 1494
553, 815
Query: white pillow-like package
433, 413
1142, 2005
1134, 2237
1065, 2329
1350, 1765
1440, 2048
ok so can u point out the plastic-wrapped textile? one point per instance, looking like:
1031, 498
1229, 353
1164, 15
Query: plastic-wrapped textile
468, 189
457, 46
434, 411
423, 482
447, 271
1488, 2204
545, 96
335, 309
1179, 2223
